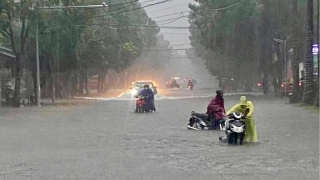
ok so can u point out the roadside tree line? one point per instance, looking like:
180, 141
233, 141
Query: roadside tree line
236, 39
75, 43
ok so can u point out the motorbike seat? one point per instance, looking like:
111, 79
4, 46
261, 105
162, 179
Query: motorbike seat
201, 115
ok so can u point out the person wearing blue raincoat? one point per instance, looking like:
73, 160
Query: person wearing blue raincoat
149, 98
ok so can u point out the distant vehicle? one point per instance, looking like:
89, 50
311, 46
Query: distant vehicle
289, 89
286, 89
172, 84
138, 86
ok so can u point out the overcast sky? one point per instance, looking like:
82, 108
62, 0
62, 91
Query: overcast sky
179, 38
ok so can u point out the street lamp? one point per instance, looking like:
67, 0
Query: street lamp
285, 62
37, 39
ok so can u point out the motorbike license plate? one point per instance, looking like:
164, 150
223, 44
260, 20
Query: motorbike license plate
290, 94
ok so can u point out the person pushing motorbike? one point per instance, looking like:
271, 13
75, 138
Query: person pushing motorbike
149, 98
246, 107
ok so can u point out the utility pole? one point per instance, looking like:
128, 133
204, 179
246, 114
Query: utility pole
285, 64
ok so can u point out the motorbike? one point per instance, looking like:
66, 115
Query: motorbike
190, 85
140, 104
235, 129
201, 121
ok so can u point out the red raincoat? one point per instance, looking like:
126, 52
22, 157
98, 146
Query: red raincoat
216, 106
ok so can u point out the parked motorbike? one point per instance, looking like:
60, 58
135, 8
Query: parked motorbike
235, 129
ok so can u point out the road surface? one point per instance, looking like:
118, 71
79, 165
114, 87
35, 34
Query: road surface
104, 139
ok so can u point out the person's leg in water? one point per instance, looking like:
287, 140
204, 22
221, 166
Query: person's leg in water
215, 124
154, 106
251, 132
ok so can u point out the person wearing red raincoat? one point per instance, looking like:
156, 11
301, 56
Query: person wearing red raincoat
190, 84
216, 110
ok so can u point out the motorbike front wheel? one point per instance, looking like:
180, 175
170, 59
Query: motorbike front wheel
235, 138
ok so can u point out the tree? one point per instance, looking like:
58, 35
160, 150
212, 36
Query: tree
226, 38
14, 24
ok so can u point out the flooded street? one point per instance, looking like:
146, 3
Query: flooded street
106, 140
71, 73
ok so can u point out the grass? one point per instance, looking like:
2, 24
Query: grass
309, 107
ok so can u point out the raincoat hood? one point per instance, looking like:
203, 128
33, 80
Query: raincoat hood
243, 100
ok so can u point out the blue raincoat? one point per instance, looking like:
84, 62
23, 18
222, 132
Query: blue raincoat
149, 106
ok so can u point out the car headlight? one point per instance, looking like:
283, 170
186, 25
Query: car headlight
134, 92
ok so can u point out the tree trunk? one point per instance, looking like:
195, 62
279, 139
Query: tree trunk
98, 85
17, 97
82, 76
53, 88
86, 81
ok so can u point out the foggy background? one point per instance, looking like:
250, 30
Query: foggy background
165, 15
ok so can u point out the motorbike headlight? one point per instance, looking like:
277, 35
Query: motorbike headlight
237, 129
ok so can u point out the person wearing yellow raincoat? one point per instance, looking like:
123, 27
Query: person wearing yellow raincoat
246, 107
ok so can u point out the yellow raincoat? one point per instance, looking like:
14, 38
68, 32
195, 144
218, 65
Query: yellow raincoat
246, 107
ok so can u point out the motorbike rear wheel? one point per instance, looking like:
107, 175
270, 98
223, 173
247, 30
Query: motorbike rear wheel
140, 109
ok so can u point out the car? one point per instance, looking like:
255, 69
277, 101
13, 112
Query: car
172, 84
286, 89
138, 86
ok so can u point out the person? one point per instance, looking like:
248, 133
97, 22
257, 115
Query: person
190, 84
216, 110
194, 81
147, 92
246, 107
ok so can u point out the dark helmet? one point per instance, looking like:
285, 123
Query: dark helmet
146, 86
219, 92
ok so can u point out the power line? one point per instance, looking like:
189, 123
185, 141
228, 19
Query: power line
157, 3
223, 8
170, 7
175, 19
171, 14
175, 33
149, 26
138, 26
124, 3
167, 49
171, 19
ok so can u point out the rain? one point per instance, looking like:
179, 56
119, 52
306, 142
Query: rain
151, 89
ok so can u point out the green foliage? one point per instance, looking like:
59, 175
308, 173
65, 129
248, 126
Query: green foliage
219, 33
133, 50
78, 38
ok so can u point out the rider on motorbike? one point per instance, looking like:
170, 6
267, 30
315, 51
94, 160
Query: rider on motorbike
246, 107
149, 98
215, 109
190, 84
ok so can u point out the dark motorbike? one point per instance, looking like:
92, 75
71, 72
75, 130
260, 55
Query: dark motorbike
201, 121
235, 129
